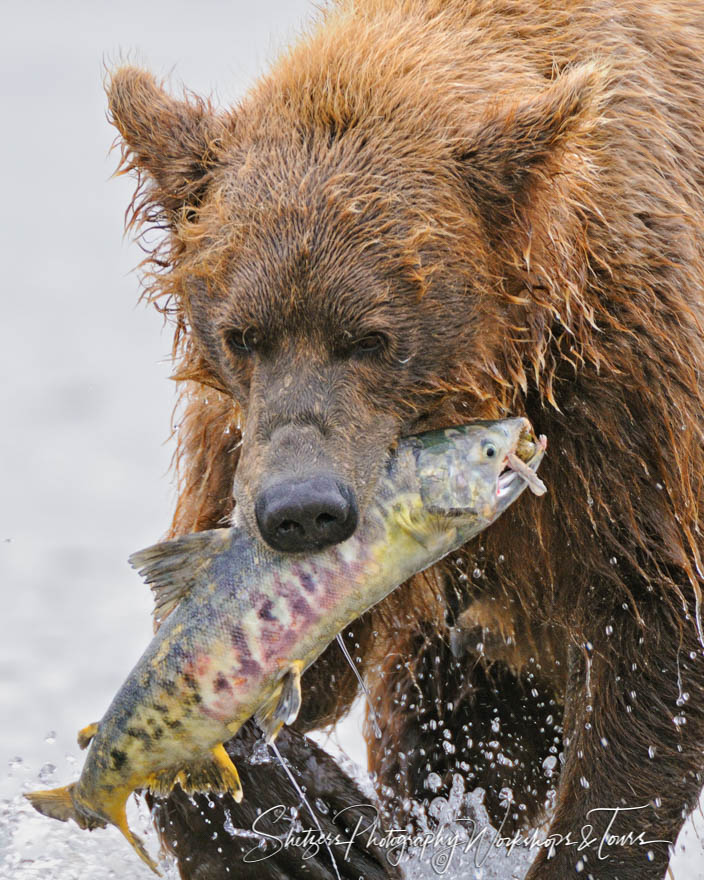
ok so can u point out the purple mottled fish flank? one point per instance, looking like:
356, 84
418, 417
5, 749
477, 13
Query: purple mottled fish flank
247, 664
302, 608
265, 612
221, 683
306, 581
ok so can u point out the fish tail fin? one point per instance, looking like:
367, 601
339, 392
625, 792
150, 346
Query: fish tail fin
59, 803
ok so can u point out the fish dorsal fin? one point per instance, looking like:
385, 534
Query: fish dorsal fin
283, 705
171, 568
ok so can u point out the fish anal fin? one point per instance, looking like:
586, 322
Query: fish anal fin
212, 772
283, 705
161, 782
86, 734
171, 568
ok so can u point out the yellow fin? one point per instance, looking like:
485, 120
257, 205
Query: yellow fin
86, 734
415, 522
119, 819
161, 782
58, 803
283, 705
214, 772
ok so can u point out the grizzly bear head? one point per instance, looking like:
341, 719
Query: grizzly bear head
350, 258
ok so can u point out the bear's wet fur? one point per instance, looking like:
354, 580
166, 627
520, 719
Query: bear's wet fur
508, 195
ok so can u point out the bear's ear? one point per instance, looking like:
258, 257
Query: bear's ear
523, 139
175, 141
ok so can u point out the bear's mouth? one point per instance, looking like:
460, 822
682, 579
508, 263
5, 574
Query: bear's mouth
520, 466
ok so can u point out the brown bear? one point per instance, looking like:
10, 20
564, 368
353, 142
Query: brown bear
426, 212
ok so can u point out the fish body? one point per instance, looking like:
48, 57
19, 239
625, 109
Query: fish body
241, 622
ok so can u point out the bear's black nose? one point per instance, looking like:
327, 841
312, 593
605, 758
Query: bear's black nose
306, 514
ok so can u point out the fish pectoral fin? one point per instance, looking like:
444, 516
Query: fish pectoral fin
171, 568
283, 705
212, 772
86, 734
420, 528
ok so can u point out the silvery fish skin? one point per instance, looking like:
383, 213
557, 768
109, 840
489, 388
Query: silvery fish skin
242, 622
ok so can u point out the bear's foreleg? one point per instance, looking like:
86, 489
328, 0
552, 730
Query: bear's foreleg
634, 726
445, 712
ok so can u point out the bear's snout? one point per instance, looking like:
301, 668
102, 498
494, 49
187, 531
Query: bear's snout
298, 515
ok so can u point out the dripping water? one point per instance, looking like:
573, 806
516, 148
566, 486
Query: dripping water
365, 690
304, 801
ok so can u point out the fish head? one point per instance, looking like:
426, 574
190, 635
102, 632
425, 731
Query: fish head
477, 470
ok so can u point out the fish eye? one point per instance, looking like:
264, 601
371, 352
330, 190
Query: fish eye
489, 450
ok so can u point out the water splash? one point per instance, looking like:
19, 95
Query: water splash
33, 847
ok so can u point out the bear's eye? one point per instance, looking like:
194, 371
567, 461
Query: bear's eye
372, 343
242, 341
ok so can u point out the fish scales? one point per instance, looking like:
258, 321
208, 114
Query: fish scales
241, 622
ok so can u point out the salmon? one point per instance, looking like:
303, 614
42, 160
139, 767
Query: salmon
240, 622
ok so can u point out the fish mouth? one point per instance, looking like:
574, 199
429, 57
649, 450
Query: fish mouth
520, 468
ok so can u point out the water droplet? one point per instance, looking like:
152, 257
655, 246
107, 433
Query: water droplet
584, 782
604, 741
613, 560
50, 737
609, 630
549, 765
47, 772
477, 573
433, 782
651, 752
227, 824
